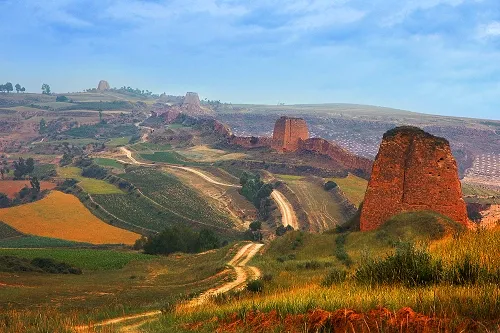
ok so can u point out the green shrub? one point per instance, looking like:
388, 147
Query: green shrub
465, 272
41, 265
333, 277
408, 266
255, 286
329, 185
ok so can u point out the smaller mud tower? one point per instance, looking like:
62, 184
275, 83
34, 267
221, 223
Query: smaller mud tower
288, 132
103, 85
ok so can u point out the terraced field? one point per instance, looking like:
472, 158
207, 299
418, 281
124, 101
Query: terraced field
322, 210
171, 194
63, 216
90, 185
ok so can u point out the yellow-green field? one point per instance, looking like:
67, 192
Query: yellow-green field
63, 216
354, 188
90, 185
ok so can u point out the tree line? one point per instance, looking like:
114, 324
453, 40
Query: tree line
8, 87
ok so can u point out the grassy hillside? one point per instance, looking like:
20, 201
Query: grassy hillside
302, 274
6, 232
353, 187
112, 284
63, 216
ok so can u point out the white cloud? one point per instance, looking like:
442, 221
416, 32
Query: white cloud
489, 30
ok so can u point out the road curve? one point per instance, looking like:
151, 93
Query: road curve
243, 274
288, 217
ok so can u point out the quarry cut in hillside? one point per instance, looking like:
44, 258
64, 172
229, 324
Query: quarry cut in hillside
413, 171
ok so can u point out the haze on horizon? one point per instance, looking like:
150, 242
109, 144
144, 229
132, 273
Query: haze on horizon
430, 56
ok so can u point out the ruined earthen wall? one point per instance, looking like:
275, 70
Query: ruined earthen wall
338, 154
413, 171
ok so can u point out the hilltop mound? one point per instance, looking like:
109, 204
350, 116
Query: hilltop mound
414, 226
413, 171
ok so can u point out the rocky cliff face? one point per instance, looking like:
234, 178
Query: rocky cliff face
288, 132
413, 171
103, 85
338, 154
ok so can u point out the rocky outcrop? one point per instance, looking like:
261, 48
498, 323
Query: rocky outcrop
288, 132
357, 164
103, 85
191, 100
413, 171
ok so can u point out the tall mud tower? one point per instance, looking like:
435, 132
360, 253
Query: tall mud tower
103, 85
413, 171
288, 132
192, 100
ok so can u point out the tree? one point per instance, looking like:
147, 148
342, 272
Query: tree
23, 89
18, 88
23, 167
43, 126
4, 200
45, 89
4, 168
62, 98
35, 185
9, 87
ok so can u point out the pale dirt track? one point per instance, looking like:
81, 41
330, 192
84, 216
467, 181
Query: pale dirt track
288, 217
286, 209
243, 274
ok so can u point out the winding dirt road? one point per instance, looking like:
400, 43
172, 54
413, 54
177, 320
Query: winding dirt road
243, 274
288, 217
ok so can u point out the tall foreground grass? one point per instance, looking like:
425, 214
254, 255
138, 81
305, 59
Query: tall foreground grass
451, 300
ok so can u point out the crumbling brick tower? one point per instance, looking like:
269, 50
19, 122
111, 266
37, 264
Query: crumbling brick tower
413, 171
288, 132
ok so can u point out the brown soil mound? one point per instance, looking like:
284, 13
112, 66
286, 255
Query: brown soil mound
343, 320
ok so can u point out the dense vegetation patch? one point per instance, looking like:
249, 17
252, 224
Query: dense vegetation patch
178, 239
257, 192
41, 265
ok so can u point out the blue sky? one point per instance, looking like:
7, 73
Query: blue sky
433, 56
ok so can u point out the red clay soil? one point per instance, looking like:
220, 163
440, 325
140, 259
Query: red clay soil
344, 320
12, 187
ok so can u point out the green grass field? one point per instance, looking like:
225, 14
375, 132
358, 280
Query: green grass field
353, 187
90, 185
7, 232
116, 142
165, 157
150, 147
38, 242
108, 162
88, 259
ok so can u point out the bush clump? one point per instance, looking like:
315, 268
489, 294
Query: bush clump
408, 265
181, 240
255, 286
40, 265
333, 277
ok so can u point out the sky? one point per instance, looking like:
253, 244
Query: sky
431, 56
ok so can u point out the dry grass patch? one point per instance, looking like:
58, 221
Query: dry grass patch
63, 216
